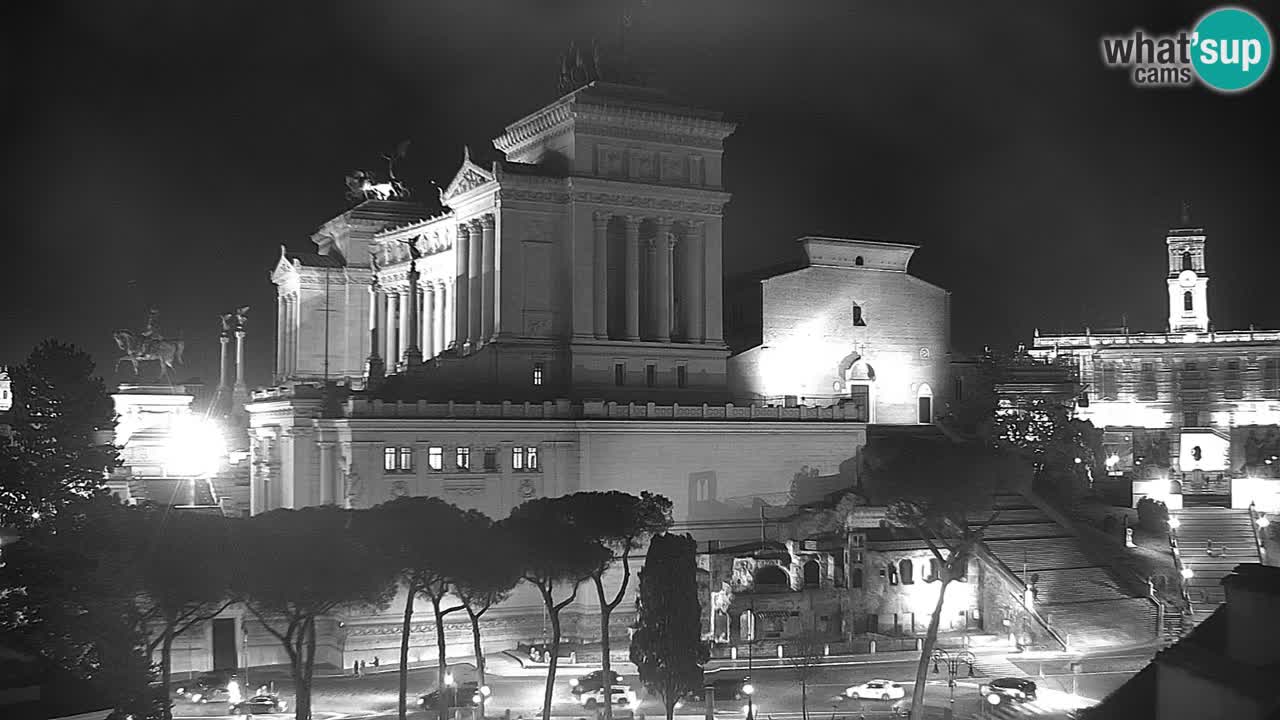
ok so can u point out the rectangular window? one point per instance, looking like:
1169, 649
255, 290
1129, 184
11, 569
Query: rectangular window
619, 374
537, 373
463, 459
1232, 388
650, 375
1271, 374
1190, 419
531, 459
389, 459
406, 459
1148, 389
517, 458
682, 376
435, 458
1109, 391
490, 459
857, 316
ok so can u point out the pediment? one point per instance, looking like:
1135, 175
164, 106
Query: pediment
469, 177
284, 268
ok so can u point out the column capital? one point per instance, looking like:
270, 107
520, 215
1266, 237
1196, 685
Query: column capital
487, 221
664, 222
693, 226
632, 221
464, 228
601, 219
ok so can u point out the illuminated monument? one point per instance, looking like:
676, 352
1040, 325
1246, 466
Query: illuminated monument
558, 327
1192, 409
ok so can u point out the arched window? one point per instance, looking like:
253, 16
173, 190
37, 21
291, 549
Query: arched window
858, 261
935, 570
892, 571
1186, 261
812, 574
855, 578
924, 404
857, 316
907, 572
771, 576
1187, 304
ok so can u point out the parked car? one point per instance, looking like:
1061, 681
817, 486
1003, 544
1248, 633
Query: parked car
1020, 689
259, 705
621, 695
465, 694
876, 690
727, 687
592, 681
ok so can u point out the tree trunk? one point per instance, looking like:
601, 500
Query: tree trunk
555, 653
804, 698
926, 649
301, 693
670, 706
166, 671
405, 629
605, 661
441, 668
308, 667
475, 642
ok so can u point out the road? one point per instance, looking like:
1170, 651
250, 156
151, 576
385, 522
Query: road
778, 690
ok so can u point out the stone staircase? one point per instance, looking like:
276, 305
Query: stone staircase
1080, 596
1232, 534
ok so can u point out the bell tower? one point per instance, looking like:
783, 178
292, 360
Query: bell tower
1188, 280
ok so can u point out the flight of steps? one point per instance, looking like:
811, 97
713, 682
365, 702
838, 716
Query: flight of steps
1232, 534
1079, 595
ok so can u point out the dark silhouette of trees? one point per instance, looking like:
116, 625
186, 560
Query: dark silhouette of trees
61, 443
619, 522
553, 552
667, 647
184, 576
420, 537
297, 566
942, 491
489, 576
69, 589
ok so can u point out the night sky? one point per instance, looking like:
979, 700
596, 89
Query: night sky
159, 153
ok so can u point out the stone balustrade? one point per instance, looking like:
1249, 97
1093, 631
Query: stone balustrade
594, 410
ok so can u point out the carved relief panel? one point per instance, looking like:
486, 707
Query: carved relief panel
609, 161
673, 168
643, 165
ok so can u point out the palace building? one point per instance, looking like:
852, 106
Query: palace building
1192, 409
559, 327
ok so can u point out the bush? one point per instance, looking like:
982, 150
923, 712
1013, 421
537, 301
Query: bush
1153, 515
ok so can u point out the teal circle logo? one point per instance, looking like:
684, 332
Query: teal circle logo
1231, 49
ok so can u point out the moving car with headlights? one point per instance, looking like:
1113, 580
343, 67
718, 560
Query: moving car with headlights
876, 690
207, 687
465, 694
621, 695
1020, 689
592, 681
259, 705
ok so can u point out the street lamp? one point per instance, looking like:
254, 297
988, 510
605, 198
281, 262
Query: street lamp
1187, 574
1263, 521
953, 662
1174, 523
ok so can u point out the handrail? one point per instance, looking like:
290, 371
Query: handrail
981, 549
1176, 550
1257, 531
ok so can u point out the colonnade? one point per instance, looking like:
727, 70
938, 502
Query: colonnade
665, 269
287, 321
426, 309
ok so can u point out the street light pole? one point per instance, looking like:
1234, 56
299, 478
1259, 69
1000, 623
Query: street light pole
953, 663
747, 687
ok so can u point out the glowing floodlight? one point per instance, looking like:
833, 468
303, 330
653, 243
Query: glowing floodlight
1174, 523
194, 447
1263, 521
1187, 573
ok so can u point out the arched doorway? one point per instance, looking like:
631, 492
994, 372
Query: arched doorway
771, 577
924, 404
812, 574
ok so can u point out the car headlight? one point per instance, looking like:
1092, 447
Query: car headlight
573, 682
196, 698
283, 705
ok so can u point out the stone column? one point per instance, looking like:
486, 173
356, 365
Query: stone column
240, 393
429, 345
461, 300
281, 344
374, 367
443, 316
692, 293
633, 277
327, 495
223, 341
713, 323
291, 323
488, 289
663, 245
600, 288
393, 327
412, 322
475, 286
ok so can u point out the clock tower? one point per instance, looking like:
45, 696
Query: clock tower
1188, 280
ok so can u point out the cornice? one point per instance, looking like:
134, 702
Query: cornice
532, 126
652, 203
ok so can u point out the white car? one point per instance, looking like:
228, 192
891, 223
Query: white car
876, 690
622, 696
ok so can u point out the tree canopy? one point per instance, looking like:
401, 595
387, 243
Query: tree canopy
60, 447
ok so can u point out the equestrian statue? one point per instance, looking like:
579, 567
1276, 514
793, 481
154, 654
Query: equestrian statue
150, 344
